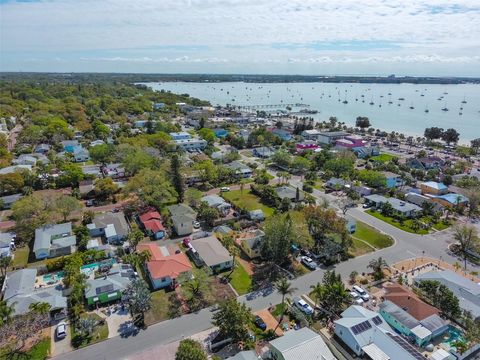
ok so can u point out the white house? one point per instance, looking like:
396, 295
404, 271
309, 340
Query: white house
54, 240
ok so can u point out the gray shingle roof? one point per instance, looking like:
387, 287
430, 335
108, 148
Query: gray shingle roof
467, 291
289, 192
117, 219
44, 234
399, 314
211, 250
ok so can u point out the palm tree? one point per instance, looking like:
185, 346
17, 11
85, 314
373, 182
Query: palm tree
318, 292
40, 307
6, 312
284, 287
377, 265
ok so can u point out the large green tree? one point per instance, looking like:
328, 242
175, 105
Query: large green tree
190, 350
233, 319
152, 187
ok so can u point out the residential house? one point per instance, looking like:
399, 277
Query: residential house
7, 201
96, 143
361, 190
433, 188
217, 202
335, 184
70, 145
109, 287
194, 144
152, 223
393, 180
449, 200
410, 315
112, 226
256, 215
467, 291
86, 188
54, 240
92, 170
367, 335
158, 106
263, 152
15, 168
42, 149
20, 291
400, 207
282, 134
182, 217
213, 254
245, 355
241, 170
419, 200
290, 193
180, 135
7, 243
330, 138
25, 159
251, 242
166, 265
304, 344
114, 171
311, 135
350, 142
306, 145
425, 164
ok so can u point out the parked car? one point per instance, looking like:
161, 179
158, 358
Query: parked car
309, 263
224, 189
306, 252
61, 330
303, 306
89, 203
356, 298
260, 323
362, 293
366, 206
196, 224
186, 242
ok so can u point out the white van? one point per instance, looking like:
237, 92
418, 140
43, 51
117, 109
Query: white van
363, 294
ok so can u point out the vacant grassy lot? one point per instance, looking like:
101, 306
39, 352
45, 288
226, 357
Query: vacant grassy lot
39, 351
407, 224
160, 307
20, 258
382, 158
240, 280
359, 248
372, 236
246, 201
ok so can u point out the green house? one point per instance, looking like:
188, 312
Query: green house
110, 287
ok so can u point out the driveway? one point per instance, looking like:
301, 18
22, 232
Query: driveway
60, 346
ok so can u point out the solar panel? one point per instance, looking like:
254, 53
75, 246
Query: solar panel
406, 346
377, 320
104, 289
359, 328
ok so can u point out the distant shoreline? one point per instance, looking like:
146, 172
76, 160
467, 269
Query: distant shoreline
248, 78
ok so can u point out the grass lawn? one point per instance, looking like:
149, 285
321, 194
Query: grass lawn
382, 158
38, 352
405, 227
359, 248
240, 280
100, 333
441, 226
246, 201
160, 307
278, 310
372, 236
20, 258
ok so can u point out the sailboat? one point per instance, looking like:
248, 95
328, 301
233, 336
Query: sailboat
426, 109
464, 101
411, 106
445, 107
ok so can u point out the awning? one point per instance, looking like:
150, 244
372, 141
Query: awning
421, 332
375, 352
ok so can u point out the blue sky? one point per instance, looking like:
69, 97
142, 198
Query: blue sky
424, 37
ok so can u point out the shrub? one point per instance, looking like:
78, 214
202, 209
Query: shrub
307, 188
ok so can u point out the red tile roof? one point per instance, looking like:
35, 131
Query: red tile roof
152, 221
160, 265
409, 301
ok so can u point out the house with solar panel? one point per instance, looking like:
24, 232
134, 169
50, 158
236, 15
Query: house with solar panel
105, 288
369, 336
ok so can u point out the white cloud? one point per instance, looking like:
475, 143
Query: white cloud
243, 31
